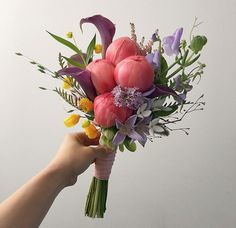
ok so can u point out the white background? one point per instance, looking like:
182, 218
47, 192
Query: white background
177, 182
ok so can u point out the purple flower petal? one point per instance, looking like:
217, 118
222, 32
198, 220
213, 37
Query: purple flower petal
72, 71
135, 135
175, 46
118, 138
105, 27
163, 90
171, 43
131, 121
118, 124
83, 77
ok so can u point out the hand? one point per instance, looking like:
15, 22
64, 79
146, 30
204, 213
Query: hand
75, 155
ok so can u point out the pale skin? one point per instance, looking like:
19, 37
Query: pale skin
27, 207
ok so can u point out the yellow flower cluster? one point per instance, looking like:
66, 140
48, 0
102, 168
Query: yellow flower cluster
67, 82
90, 130
85, 105
98, 48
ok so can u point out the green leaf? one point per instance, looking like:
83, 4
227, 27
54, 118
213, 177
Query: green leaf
164, 113
66, 43
162, 72
193, 60
42, 88
73, 62
42, 71
70, 111
90, 49
41, 67
18, 53
33, 62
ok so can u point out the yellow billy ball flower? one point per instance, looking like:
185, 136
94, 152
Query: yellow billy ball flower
67, 82
98, 48
72, 120
69, 34
85, 105
91, 131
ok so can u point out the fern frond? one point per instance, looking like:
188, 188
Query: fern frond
70, 99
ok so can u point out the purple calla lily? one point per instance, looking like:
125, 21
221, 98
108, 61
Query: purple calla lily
105, 27
171, 43
163, 90
83, 77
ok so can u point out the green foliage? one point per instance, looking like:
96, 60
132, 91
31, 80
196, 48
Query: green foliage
70, 99
121, 147
90, 49
42, 88
197, 43
18, 53
130, 145
65, 42
163, 113
73, 62
162, 72
61, 61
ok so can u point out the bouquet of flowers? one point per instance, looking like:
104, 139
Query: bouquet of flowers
130, 94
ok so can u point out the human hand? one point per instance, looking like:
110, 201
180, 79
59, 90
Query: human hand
75, 155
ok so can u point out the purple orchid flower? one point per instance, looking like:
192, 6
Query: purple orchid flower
83, 77
126, 129
154, 59
171, 43
105, 27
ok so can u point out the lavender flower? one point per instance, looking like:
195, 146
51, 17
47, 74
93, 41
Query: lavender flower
171, 43
126, 129
128, 97
154, 59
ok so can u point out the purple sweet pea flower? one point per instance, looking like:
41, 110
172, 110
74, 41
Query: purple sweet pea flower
126, 129
83, 77
154, 36
171, 43
105, 27
154, 59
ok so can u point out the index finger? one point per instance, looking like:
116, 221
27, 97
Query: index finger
85, 140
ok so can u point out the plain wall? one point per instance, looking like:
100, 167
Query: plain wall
177, 182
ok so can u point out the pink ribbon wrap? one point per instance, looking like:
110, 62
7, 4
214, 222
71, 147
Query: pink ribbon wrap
103, 166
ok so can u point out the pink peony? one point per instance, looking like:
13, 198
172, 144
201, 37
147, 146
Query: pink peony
106, 112
134, 71
102, 75
120, 49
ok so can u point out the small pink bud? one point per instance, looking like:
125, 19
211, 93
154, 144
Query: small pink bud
120, 49
102, 75
106, 112
134, 71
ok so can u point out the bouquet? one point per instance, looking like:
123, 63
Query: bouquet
131, 93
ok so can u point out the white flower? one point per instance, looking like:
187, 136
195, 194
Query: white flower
158, 105
155, 127
143, 111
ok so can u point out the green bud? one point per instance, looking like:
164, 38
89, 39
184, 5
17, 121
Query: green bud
183, 44
130, 145
197, 43
121, 147
103, 140
109, 133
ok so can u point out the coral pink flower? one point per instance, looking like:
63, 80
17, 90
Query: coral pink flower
102, 75
134, 71
106, 112
120, 49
